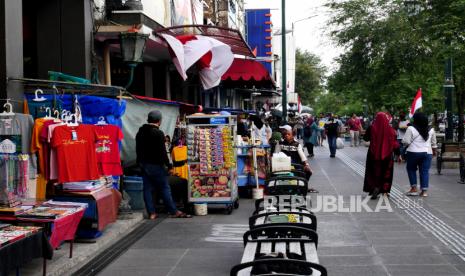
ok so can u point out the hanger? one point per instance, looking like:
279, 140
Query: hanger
56, 113
49, 112
70, 122
63, 115
36, 98
101, 121
8, 107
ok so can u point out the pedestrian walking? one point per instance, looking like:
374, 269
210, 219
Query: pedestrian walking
421, 145
321, 134
379, 168
332, 128
355, 127
292, 148
299, 128
153, 161
308, 133
401, 129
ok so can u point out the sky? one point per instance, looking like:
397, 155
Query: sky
310, 34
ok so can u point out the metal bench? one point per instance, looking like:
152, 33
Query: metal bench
302, 218
274, 205
291, 244
458, 148
286, 185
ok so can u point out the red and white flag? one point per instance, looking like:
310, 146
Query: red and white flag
417, 103
212, 57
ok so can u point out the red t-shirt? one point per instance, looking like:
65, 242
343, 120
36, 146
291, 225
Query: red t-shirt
354, 124
107, 149
76, 157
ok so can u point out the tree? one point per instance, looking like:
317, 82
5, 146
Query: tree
386, 57
309, 76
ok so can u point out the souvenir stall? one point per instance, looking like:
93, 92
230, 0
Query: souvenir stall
212, 160
76, 138
79, 154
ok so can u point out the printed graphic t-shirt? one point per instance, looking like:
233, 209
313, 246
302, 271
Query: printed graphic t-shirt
107, 149
76, 157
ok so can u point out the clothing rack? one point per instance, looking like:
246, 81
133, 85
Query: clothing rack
88, 89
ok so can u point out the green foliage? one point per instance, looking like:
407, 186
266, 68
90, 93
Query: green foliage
387, 58
309, 76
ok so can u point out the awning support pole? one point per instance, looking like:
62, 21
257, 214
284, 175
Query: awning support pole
107, 64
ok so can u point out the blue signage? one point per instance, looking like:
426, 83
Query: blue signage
218, 121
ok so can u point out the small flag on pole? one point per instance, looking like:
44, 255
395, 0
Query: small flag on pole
417, 103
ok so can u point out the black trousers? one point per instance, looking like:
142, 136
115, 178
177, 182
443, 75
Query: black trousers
309, 147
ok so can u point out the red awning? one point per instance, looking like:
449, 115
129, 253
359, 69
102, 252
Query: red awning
248, 71
230, 37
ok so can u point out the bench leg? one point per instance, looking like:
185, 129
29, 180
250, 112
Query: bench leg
71, 242
44, 267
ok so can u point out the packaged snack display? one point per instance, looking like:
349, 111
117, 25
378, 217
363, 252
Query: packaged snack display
212, 159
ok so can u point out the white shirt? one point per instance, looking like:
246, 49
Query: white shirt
416, 143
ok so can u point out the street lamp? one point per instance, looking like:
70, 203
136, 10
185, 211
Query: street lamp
132, 47
306, 18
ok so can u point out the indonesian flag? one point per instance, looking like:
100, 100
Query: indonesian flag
212, 57
416, 104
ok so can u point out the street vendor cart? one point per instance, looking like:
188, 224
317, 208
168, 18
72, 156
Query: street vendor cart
212, 160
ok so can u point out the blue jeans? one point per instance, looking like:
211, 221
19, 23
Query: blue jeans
332, 144
422, 162
155, 177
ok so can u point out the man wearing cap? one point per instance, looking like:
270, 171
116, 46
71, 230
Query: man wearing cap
153, 160
292, 148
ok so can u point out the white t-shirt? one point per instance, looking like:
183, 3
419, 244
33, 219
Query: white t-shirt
402, 129
416, 143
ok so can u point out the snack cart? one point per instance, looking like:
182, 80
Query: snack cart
212, 160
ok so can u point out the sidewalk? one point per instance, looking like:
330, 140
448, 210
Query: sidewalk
387, 243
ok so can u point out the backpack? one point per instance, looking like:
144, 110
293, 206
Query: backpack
307, 131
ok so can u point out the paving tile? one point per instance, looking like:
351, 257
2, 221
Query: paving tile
413, 260
345, 251
405, 250
460, 268
155, 271
366, 270
349, 260
422, 269
393, 234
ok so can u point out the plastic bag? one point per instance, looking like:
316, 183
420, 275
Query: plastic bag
339, 143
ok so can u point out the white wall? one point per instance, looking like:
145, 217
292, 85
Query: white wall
158, 10
290, 60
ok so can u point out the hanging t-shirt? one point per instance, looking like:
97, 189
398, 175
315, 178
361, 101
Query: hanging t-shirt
37, 146
17, 129
76, 156
107, 149
49, 152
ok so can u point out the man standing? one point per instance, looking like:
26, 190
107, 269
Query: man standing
332, 131
292, 148
355, 126
153, 161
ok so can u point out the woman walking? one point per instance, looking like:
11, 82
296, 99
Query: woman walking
420, 142
380, 165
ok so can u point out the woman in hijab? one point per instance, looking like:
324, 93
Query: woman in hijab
380, 165
420, 142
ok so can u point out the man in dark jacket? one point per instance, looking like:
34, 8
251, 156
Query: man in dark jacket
153, 160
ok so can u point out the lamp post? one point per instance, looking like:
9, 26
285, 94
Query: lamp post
132, 47
306, 18
283, 60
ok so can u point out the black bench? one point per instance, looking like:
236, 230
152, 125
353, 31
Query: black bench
449, 147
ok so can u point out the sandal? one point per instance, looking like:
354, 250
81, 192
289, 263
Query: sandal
180, 215
153, 216
424, 194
